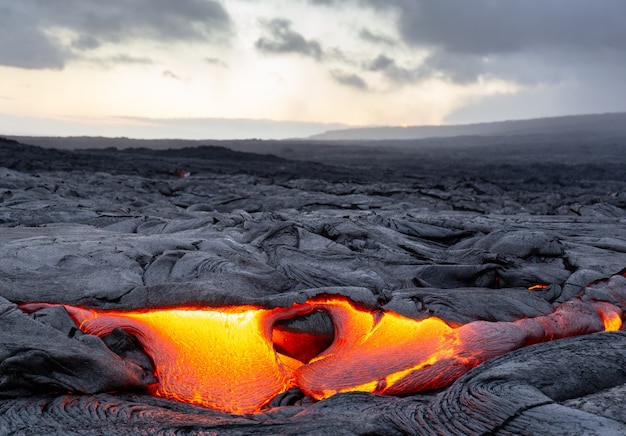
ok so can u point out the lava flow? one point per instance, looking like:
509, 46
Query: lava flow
387, 353
219, 358
236, 359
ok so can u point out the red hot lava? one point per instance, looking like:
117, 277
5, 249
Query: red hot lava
236, 359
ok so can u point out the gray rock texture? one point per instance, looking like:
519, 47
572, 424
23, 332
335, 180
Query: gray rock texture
117, 229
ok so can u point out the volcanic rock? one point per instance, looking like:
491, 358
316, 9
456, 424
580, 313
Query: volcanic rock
414, 232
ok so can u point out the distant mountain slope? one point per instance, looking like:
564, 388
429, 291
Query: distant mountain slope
146, 162
599, 124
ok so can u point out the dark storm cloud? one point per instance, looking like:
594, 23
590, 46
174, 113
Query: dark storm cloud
22, 44
283, 39
485, 27
349, 79
25, 40
85, 42
486, 37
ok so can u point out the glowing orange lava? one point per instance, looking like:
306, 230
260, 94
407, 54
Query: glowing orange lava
222, 359
373, 350
611, 316
236, 359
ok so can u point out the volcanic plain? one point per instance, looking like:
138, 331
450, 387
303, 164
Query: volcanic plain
494, 230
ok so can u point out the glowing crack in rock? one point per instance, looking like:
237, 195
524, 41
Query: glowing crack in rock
236, 359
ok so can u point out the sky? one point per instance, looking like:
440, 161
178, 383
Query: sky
221, 69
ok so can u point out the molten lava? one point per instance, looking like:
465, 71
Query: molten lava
236, 359
386, 353
611, 316
222, 359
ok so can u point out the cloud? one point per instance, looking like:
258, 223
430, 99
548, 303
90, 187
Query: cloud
170, 75
23, 45
28, 27
462, 69
323, 2
470, 40
347, 79
396, 74
485, 27
283, 39
127, 59
119, 20
216, 62
85, 42
382, 63
376, 38
119, 59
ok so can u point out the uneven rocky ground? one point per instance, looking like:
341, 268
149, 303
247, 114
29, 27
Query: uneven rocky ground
460, 233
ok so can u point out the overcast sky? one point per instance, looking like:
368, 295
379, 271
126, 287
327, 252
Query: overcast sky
284, 68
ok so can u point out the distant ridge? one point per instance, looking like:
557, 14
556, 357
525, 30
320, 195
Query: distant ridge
602, 124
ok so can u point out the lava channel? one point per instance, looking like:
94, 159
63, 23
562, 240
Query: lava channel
236, 359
